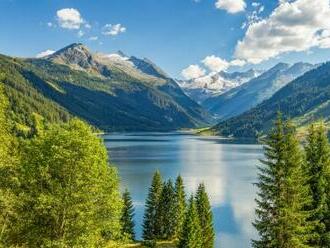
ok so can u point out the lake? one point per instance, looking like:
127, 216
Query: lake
227, 168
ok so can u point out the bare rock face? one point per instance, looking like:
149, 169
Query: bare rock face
76, 55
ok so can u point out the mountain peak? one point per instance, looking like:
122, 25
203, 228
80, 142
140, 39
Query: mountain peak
275, 69
280, 66
77, 47
147, 66
76, 54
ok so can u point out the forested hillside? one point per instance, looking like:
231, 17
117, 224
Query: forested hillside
110, 94
304, 100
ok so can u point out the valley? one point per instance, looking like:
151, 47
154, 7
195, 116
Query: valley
115, 92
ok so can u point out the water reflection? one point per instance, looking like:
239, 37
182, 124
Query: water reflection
227, 169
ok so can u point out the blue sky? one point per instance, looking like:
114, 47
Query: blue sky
172, 33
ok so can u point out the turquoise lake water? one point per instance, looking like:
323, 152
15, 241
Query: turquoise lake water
227, 168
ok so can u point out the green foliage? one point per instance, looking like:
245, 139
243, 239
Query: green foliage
150, 228
127, 216
317, 168
191, 235
69, 195
180, 205
8, 172
283, 192
205, 217
166, 212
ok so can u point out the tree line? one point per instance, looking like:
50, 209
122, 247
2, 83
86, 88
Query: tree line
293, 203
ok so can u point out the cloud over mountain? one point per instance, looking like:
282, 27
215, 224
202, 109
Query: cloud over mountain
215, 64
192, 72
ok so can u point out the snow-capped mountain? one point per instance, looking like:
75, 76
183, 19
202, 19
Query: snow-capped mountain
250, 94
215, 84
78, 57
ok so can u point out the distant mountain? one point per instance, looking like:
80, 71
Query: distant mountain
248, 95
111, 91
215, 84
305, 99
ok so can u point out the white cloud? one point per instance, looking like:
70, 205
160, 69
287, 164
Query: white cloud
113, 29
231, 6
292, 27
49, 24
45, 53
69, 18
255, 4
192, 72
88, 26
237, 62
93, 38
215, 64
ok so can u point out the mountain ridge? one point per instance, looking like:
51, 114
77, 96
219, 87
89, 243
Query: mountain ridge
113, 96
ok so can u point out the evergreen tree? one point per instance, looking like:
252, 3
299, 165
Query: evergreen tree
205, 217
191, 235
166, 212
180, 205
150, 230
69, 194
127, 217
8, 172
317, 167
283, 194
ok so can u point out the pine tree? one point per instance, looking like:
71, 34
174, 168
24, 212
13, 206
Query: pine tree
150, 230
205, 217
180, 205
191, 235
165, 216
127, 217
283, 194
317, 167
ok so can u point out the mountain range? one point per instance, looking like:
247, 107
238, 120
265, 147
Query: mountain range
112, 92
305, 99
253, 92
116, 92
